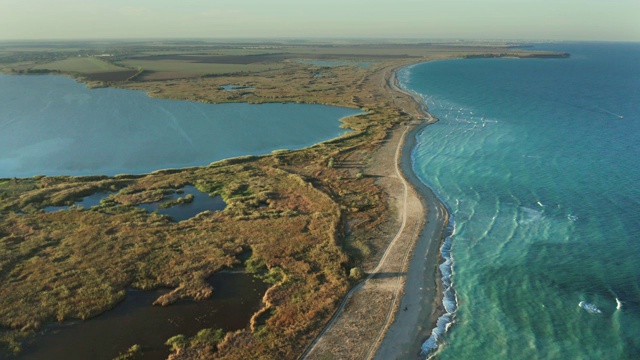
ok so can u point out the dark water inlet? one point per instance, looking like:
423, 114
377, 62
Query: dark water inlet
236, 297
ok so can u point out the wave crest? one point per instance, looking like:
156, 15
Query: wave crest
450, 300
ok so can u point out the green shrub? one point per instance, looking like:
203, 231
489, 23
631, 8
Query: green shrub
355, 273
134, 352
255, 265
330, 164
273, 276
208, 337
177, 342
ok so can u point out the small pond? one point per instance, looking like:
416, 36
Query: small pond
186, 210
135, 321
87, 202
178, 210
236, 87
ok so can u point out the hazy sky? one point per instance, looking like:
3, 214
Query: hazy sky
494, 19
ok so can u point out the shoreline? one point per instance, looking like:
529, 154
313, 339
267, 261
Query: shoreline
410, 260
422, 289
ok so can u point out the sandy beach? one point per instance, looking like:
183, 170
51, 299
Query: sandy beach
390, 313
421, 302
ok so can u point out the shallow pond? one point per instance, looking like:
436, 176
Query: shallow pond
135, 321
236, 87
87, 202
178, 211
183, 211
51, 125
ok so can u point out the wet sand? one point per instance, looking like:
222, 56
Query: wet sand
371, 321
421, 302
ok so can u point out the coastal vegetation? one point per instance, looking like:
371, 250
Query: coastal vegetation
80, 64
168, 69
312, 220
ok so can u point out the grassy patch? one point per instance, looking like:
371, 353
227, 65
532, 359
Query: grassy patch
80, 65
196, 68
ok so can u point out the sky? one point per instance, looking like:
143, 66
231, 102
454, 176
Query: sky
615, 20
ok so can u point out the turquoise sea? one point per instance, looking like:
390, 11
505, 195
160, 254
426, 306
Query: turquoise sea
538, 162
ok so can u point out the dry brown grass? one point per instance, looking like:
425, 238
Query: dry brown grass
77, 263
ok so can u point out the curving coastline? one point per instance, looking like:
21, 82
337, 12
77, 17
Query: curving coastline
391, 312
369, 309
421, 302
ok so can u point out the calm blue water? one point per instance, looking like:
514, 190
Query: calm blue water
539, 164
52, 125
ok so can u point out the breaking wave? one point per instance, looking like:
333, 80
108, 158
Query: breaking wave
450, 300
590, 307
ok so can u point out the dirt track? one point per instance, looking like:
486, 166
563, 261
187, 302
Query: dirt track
361, 323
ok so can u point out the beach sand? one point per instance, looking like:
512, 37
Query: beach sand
422, 293
372, 321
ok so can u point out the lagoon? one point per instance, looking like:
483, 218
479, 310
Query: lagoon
52, 125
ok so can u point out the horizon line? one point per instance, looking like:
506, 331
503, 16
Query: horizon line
292, 38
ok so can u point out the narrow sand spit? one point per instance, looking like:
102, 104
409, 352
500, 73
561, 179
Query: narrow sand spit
373, 317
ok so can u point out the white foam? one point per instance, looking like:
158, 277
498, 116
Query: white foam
450, 300
572, 217
442, 325
445, 268
529, 215
591, 308
450, 303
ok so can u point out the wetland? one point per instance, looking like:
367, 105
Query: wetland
135, 321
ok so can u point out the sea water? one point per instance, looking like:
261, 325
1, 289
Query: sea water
51, 125
538, 162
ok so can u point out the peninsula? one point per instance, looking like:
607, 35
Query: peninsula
336, 230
